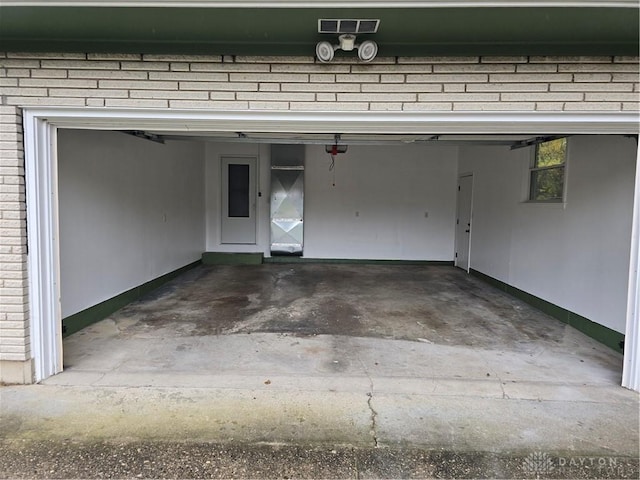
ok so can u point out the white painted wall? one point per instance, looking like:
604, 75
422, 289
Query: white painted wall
131, 210
391, 187
574, 255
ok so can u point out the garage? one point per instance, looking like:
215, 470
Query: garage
382, 218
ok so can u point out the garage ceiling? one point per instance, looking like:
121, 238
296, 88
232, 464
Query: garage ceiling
292, 30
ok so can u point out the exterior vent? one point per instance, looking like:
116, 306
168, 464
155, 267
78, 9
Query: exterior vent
347, 26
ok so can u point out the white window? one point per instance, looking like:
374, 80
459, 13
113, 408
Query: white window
547, 172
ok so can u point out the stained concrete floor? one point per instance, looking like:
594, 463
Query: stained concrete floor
367, 361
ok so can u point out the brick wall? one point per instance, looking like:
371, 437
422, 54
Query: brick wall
14, 298
524, 84
298, 83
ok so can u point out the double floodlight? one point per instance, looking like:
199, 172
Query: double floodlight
347, 30
367, 50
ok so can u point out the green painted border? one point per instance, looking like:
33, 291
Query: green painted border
604, 335
294, 259
102, 310
224, 258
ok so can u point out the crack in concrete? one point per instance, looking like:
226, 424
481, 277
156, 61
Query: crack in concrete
374, 416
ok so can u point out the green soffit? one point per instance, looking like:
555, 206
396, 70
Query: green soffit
293, 31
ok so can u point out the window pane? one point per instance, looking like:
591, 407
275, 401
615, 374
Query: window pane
547, 184
551, 153
238, 190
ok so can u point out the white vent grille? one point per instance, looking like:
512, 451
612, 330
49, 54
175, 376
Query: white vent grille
347, 26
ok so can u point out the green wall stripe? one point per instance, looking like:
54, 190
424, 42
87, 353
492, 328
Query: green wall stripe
224, 258
604, 335
102, 310
294, 259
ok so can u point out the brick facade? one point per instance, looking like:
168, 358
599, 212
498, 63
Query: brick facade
522, 84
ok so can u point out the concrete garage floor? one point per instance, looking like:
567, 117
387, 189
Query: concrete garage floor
328, 371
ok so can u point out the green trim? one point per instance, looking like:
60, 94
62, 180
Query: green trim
293, 259
604, 335
223, 258
102, 310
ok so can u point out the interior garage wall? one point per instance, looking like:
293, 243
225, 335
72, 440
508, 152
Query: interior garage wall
388, 202
574, 255
131, 210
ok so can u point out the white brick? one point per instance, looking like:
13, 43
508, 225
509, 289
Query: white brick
219, 86
358, 78
320, 87
376, 97
8, 63
592, 77
591, 87
25, 92
276, 96
115, 56
49, 56
268, 105
272, 87
530, 77
392, 78
631, 106
87, 93
8, 82
507, 87
183, 58
100, 74
46, 101
322, 78
388, 107
190, 76
392, 69
626, 59
537, 68
595, 106
439, 60
574, 59
269, 77
448, 78
95, 102
495, 106
222, 96
480, 68
625, 77
454, 87
179, 67
135, 102
326, 97
18, 72
146, 66
229, 68
144, 85
458, 97
598, 67
214, 105
542, 97
304, 68
328, 106
412, 87
611, 97
81, 64
274, 59
171, 94
428, 106
48, 73
492, 59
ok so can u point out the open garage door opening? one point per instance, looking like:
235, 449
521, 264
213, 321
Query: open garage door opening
167, 239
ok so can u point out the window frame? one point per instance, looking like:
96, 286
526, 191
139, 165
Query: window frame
533, 168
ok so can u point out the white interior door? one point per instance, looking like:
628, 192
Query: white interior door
463, 222
238, 188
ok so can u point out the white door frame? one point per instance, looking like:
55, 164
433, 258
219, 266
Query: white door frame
40, 124
460, 177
